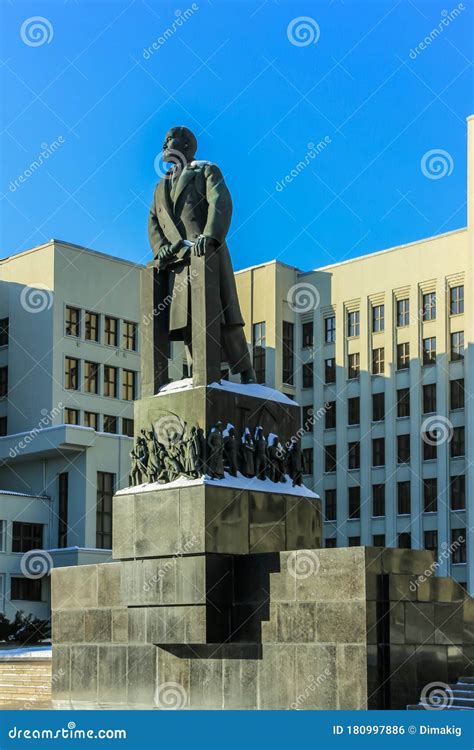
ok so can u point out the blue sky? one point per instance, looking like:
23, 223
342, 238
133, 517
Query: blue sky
232, 72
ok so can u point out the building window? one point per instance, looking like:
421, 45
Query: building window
329, 370
429, 306
3, 426
378, 361
456, 388
404, 541
354, 541
105, 491
308, 418
378, 540
26, 589
71, 416
458, 492
378, 452
127, 427
330, 415
457, 442
91, 419
26, 536
458, 545
128, 385
330, 458
403, 356
110, 331
91, 324
259, 343
429, 351
354, 366
354, 502
429, 398
330, 329
91, 377
378, 407
430, 445
403, 499
353, 455
288, 352
3, 382
4, 332
353, 323
71, 374
431, 541
378, 499
73, 322
403, 449
403, 402
430, 495
403, 312
62, 509
457, 346
378, 318
331, 506
353, 410
129, 336
307, 455
110, 381
307, 334
110, 424
331, 543
307, 375
456, 300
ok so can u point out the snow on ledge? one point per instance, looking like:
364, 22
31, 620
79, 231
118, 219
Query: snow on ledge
39, 652
237, 483
250, 389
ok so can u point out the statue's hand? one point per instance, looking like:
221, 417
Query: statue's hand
204, 245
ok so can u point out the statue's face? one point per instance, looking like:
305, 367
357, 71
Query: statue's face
174, 144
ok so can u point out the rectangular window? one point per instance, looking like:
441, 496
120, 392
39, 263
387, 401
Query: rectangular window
259, 344
91, 324
458, 545
430, 495
330, 415
378, 318
26, 589
354, 541
456, 300
110, 381
110, 424
105, 491
353, 455
71, 374
403, 356
430, 445
91, 419
4, 331
457, 346
378, 361
403, 499
378, 452
3, 426
307, 455
331, 507
288, 352
403, 402
403, 449
331, 543
71, 416
110, 331
130, 335
353, 323
457, 442
308, 418
456, 388
378, 499
429, 351
308, 375
62, 509
127, 427
3, 382
429, 306
73, 322
307, 334
330, 329
91, 377
429, 398
431, 542
354, 502
458, 492
128, 385
26, 536
329, 370
404, 541
403, 312
353, 410
378, 540
330, 458
354, 366
378, 407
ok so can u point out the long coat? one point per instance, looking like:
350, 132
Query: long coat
201, 205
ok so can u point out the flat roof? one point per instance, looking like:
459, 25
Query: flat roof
71, 246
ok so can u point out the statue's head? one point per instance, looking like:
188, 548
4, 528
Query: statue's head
179, 142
